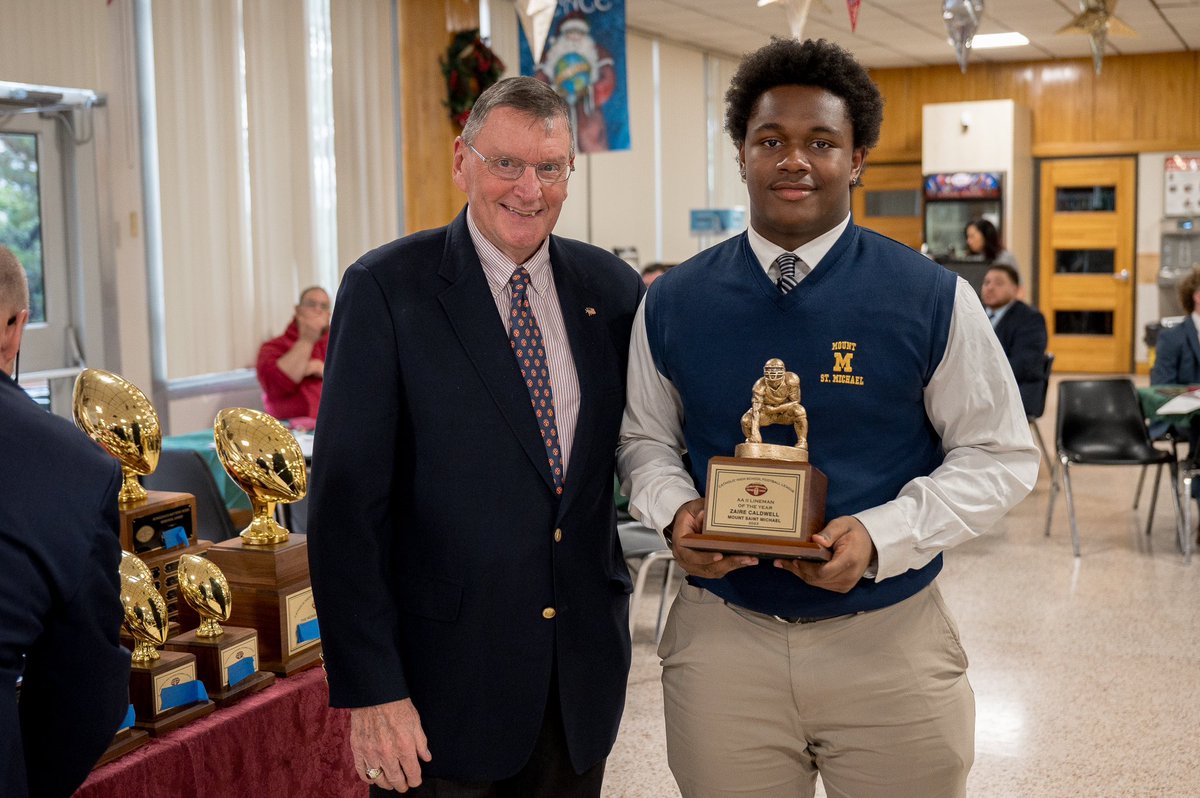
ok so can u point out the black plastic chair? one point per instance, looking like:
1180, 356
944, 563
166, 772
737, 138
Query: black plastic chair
1047, 366
1100, 423
185, 470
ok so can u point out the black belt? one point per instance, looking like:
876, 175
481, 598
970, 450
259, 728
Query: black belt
793, 620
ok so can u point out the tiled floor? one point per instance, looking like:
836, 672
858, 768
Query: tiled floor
1086, 671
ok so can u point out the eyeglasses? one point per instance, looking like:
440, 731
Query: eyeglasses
509, 168
315, 305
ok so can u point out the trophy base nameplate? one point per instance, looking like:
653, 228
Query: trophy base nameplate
144, 522
765, 508
126, 740
273, 595
214, 656
148, 680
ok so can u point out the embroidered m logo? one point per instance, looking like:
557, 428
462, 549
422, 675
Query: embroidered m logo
841, 361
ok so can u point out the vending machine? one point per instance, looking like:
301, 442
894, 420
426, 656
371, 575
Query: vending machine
952, 199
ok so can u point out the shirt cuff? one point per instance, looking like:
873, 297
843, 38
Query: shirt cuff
666, 504
888, 529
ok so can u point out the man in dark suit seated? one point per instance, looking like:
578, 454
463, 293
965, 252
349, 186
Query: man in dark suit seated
60, 607
462, 536
1177, 358
1022, 333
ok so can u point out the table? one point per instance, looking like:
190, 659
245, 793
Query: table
1153, 397
284, 742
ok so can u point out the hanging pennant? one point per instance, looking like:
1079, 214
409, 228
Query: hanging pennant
535, 16
962, 19
852, 6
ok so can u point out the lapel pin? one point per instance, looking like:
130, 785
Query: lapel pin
590, 311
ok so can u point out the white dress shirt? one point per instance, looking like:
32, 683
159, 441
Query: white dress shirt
972, 401
543, 300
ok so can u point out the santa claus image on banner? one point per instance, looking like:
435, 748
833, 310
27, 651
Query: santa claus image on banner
582, 73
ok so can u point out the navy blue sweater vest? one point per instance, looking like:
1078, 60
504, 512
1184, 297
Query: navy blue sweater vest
864, 331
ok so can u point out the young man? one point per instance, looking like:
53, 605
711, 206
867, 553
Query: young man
774, 671
1021, 330
473, 595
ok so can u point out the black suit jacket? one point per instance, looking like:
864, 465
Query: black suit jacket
60, 607
1177, 356
433, 519
1022, 334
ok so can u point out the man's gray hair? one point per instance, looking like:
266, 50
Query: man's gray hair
14, 287
529, 96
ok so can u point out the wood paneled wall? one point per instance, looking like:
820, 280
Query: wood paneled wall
430, 198
1139, 103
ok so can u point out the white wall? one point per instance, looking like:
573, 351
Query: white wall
988, 136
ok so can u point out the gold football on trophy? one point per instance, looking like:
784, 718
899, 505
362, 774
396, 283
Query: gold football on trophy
205, 588
119, 417
265, 460
145, 617
132, 565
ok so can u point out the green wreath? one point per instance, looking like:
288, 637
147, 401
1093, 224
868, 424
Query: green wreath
470, 67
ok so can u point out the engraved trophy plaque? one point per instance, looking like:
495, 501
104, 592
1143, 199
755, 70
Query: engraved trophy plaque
226, 656
767, 500
162, 685
267, 567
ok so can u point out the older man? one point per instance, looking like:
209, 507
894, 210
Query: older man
465, 562
60, 608
291, 367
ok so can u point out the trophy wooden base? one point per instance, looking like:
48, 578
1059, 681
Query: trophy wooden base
766, 508
144, 522
126, 740
148, 680
273, 595
214, 655
173, 719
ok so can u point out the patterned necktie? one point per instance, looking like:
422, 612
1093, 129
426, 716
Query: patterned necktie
525, 336
787, 272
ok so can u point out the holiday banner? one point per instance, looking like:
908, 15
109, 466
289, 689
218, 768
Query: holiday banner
584, 60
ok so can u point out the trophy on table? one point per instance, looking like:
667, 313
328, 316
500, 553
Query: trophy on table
767, 500
266, 566
226, 656
153, 524
162, 685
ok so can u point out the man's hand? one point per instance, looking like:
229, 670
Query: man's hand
311, 323
705, 564
389, 736
852, 553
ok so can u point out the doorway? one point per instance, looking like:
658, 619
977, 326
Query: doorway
1086, 262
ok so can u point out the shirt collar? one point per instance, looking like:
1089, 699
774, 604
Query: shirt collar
811, 253
499, 268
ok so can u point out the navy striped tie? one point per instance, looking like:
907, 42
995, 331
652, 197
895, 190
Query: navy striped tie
787, 272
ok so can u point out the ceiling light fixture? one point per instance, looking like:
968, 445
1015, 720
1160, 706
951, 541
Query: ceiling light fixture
991, 41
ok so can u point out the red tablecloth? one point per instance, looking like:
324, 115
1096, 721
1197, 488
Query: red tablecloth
284, 742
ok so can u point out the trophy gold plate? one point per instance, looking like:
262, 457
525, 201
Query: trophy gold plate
147, 680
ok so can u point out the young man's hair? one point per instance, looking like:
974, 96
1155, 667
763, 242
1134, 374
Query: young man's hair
1009, 270
1188, 287
819, 63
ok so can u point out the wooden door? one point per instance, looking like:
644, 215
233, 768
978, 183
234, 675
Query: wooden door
889, 201
1086, 262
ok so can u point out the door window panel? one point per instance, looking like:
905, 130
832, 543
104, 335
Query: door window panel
21, 213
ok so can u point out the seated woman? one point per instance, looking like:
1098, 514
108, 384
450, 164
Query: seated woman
291, 368
983, 240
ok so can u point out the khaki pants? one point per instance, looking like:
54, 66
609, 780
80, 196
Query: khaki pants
878, 703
